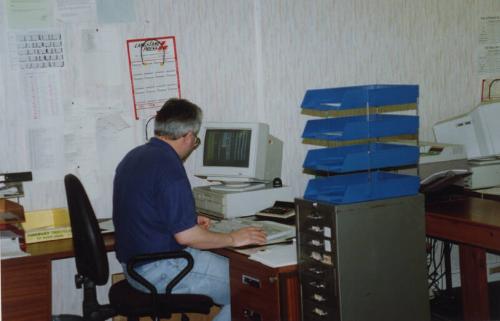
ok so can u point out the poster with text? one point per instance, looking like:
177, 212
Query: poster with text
154, 73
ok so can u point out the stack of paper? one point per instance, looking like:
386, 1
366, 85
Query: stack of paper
10, 245
277, 255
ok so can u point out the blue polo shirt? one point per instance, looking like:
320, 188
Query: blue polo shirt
152, 201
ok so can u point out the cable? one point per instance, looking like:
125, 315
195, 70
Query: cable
435, 269
146, 127
491, 85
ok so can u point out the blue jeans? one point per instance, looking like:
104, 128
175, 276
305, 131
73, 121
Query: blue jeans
209, 276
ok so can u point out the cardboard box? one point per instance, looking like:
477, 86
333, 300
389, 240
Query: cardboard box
46, 225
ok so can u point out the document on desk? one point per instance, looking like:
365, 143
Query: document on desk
273, 230
106, 226
10, 245
276, 255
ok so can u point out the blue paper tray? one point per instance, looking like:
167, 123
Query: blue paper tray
361, 157
360, 127
359, 97
361, 187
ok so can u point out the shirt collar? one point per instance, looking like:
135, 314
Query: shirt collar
155, 141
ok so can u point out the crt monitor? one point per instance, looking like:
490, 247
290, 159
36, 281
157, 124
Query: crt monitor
477, 130
239, 155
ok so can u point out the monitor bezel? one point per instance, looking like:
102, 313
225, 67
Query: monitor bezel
252, 173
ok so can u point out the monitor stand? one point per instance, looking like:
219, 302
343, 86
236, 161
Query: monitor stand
237, 187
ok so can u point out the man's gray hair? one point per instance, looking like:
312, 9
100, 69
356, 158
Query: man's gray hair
177, 117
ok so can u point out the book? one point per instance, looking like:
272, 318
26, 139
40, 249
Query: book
280, 209
46, 225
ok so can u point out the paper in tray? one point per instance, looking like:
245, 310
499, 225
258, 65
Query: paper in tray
343, 98
360, 187
361, 157
360, 127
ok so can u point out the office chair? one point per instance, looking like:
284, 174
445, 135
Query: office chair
93, 270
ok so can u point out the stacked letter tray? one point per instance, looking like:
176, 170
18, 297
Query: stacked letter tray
352, 187
358, 96
361, 187
360, 157
361, 127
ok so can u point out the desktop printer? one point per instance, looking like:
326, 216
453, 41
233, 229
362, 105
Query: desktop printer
229, 204
479, 132
438, 157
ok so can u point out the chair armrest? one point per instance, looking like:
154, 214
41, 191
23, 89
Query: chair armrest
160, 256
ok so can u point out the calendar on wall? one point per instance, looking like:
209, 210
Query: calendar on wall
154, 73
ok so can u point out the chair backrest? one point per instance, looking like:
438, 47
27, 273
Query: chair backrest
88, 244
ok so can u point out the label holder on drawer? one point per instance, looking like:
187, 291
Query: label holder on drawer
251, 281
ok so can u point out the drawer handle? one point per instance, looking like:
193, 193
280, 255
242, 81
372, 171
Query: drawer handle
320, 312
318, 297
317, 285
316, 243
315, 216
316, 271
251, 315
251, 281
316, 229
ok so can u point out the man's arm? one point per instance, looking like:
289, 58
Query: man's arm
203, 239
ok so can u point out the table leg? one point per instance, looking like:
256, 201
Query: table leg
475, 299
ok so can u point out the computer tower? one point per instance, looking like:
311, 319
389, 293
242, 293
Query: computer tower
364, 261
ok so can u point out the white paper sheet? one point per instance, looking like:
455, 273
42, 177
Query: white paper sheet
489, 60
489, 29
36, 49
42, 94
29, 13
276, 256
45, 141
74, 11
101, 55
115, 11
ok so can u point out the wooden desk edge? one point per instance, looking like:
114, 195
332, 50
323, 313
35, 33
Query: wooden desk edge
459, 230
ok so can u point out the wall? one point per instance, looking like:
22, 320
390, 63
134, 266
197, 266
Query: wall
245, 61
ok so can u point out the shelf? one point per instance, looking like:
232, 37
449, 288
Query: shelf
361, 187
355, 97
361, 157
360, 127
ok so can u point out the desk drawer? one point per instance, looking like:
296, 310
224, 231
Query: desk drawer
26, 296
254, 292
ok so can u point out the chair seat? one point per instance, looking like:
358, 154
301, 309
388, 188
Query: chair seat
132, 302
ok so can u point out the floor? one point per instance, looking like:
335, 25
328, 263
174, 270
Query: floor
447, 306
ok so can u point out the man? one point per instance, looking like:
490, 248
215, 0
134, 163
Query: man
154, 211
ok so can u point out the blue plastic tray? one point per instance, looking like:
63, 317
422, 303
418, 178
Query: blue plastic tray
361, 157
342, 98
360, 127
361, 187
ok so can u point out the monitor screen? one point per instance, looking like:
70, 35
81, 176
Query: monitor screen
227, 147
238, 152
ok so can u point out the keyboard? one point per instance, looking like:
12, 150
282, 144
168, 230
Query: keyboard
273, 230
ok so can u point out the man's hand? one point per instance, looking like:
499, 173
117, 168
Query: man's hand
247, 236
201, 238
204, 222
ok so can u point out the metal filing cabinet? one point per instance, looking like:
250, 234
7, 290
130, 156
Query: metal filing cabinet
363, 261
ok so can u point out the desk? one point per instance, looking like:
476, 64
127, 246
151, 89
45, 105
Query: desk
474, 224
27, 281
26, 284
